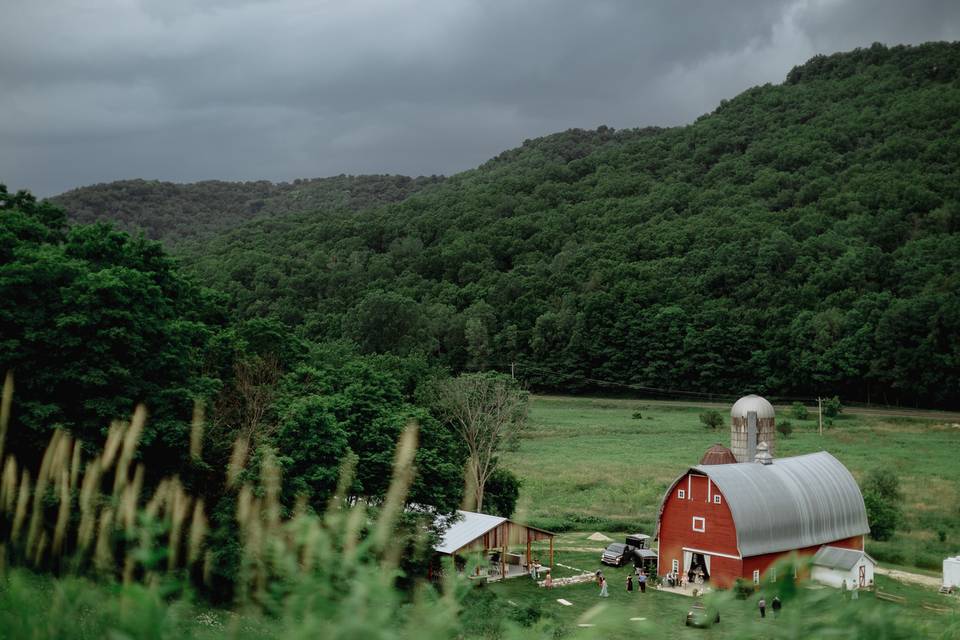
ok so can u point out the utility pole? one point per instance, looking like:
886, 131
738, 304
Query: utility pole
820, 413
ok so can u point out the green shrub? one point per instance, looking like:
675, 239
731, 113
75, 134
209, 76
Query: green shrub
798, 411
527, 616
743, 589
711, 419
832, 407
784, 428
637, 415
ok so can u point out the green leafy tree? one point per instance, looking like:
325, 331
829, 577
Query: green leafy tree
312, 445
883, 500
832, 407
488, 412
92, 323
502, 491
784, 428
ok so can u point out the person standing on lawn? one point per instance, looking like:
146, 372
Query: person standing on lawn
629, 583
603, 587
775, 605
643, 582
763, 607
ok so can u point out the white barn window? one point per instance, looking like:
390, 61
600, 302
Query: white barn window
681, 494
699, 524
756, 576
716, 499
675, 566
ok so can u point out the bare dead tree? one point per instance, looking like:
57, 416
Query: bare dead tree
240, 407
489, 412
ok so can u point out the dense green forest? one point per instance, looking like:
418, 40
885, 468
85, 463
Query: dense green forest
94, 322
802, 238
174, 212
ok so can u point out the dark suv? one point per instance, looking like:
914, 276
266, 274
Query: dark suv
617, 554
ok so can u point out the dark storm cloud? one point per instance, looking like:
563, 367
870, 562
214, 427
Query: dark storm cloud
175, 89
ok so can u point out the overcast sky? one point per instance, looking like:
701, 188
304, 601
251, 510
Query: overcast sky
100, 90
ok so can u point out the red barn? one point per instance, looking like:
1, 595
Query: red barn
736, 520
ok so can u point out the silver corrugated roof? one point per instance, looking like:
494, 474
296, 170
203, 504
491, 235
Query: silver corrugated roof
465, 529
837, 558
793, 503
749, 403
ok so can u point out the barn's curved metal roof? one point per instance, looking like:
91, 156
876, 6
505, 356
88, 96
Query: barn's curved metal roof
749, 403
793, 503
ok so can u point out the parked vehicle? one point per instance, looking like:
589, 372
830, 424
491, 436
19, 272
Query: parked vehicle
638, 540
617, 554
702, 616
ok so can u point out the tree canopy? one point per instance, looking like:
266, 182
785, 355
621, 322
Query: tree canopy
799, 240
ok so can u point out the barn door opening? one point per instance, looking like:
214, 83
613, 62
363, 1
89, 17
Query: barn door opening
699, 569
863, 576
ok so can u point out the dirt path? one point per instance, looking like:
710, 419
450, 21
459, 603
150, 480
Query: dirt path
915, 578
890, 412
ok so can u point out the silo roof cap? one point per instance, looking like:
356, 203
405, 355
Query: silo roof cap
749, 403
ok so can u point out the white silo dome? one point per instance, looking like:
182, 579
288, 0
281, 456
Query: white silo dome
749, 403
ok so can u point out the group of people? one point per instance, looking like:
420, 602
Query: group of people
641, 581
535, 569
775, 605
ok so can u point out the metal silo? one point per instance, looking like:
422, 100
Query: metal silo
752, 422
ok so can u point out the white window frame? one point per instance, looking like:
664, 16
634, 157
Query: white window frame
756, 576
681, 494
675, 565
772, 574
716, 499
703, 524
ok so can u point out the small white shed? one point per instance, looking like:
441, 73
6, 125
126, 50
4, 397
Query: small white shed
833, 566
951, 572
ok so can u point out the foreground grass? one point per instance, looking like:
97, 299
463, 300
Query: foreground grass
588, 464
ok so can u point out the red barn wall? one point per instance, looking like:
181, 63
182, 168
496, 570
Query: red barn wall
765, 561
719, 535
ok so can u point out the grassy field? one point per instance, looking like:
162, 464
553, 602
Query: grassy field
662, 614
593, 465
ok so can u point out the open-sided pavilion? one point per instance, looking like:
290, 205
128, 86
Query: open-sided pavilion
483, 533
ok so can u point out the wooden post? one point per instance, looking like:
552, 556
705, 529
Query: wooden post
551, 553
529, 563
820, 413
503, 562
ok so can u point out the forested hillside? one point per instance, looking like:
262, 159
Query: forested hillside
802, 238
172, 212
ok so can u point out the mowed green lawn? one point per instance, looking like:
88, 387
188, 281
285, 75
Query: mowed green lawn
588, 464
660, 614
